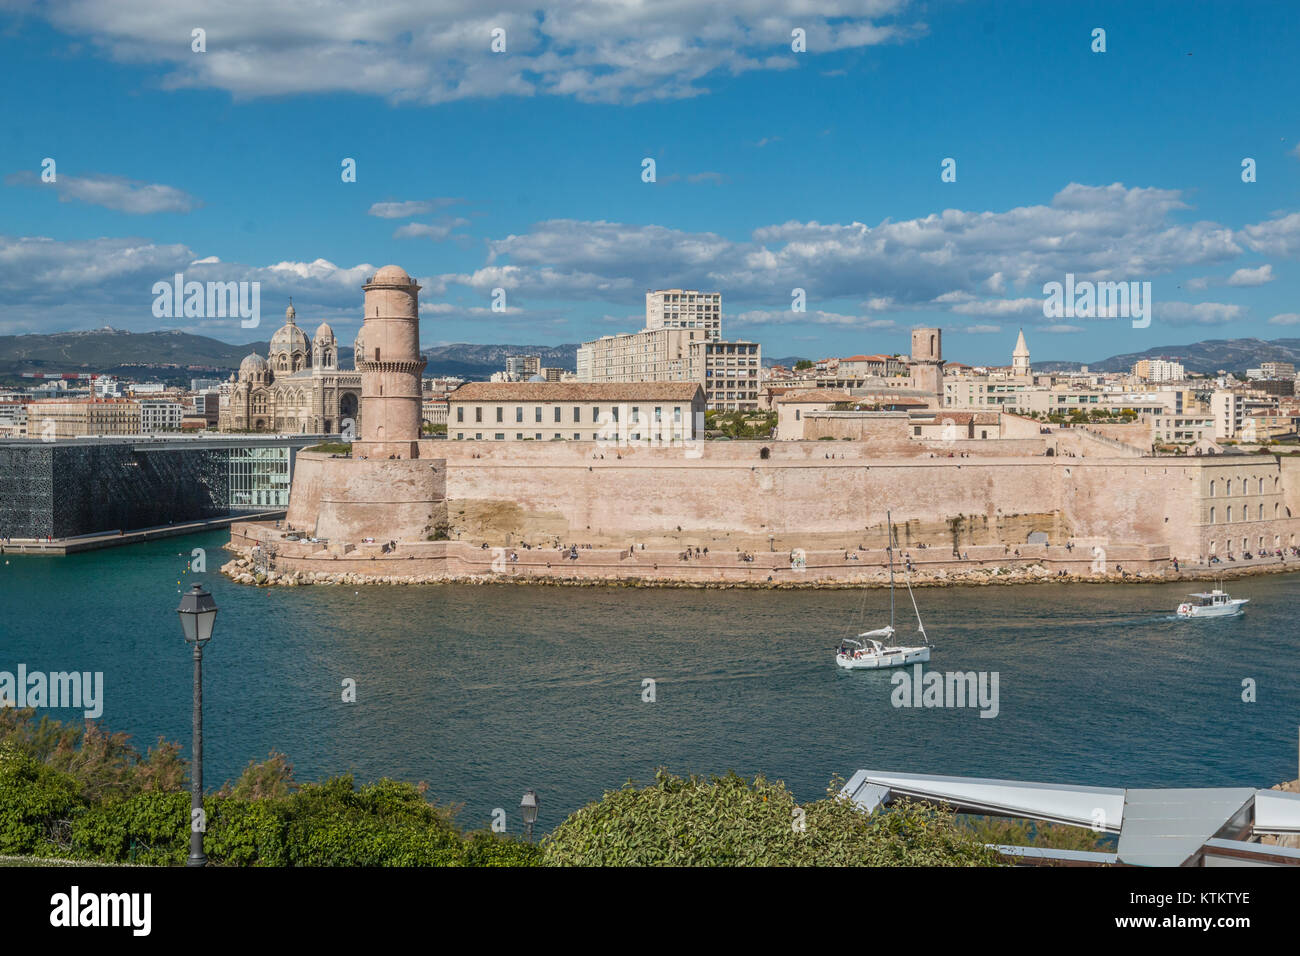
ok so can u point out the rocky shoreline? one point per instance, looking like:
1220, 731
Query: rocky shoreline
242, 571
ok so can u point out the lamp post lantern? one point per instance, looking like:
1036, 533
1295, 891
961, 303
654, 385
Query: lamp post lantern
528, 806
198, 613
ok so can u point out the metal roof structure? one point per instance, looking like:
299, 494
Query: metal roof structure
1206, 826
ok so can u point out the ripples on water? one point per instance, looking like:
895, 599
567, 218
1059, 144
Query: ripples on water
487, 691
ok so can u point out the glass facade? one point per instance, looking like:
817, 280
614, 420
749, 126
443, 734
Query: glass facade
259, 477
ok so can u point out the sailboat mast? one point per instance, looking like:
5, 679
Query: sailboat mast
889, 529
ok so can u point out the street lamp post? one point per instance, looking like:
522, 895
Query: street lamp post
198, 613
528, 805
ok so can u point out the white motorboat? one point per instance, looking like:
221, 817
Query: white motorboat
1216, 603
876, 649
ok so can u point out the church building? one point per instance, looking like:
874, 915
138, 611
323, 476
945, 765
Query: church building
298, 389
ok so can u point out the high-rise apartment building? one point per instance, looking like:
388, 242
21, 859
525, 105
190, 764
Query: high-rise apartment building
685, 309
682, 342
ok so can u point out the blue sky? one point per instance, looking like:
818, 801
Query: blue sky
775, 170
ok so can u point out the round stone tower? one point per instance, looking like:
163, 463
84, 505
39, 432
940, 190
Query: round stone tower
390, 367
926, 365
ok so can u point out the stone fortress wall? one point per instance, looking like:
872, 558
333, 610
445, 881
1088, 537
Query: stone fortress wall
505, 494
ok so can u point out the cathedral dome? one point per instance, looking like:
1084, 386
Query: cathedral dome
289, 337
324, 333
252, 363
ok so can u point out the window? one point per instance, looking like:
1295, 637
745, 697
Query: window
614, 412
677, 414
376, 353
577, 414
577, 437
478, 436
1211, 516
519, 436
519, 413
501, 436
500, 414
557, 417
537, 415
537, 436
460, 436
478, 414
636, 415
659, 413
460, 414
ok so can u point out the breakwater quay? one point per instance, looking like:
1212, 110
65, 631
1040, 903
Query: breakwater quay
263, 556
115, 538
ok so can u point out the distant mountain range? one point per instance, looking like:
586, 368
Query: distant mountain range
1207, 358
176, 356
480, 361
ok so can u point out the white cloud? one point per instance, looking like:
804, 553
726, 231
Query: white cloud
409, 208
48, 285
413, 51
436, 231
1197, 313
111, 192
755, 317
1285, 318
1274, 237
1025, 306
948, 258
1249, 277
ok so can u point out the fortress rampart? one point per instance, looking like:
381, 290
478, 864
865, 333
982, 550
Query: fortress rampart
766, 499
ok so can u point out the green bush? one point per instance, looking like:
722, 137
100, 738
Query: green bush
150, 828
36, 804
332, 448
729, 821
245, 832
382, 824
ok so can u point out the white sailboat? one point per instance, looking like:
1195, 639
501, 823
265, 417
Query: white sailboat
873, 650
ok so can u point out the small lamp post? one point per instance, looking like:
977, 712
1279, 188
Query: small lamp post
528, 806
198, 613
